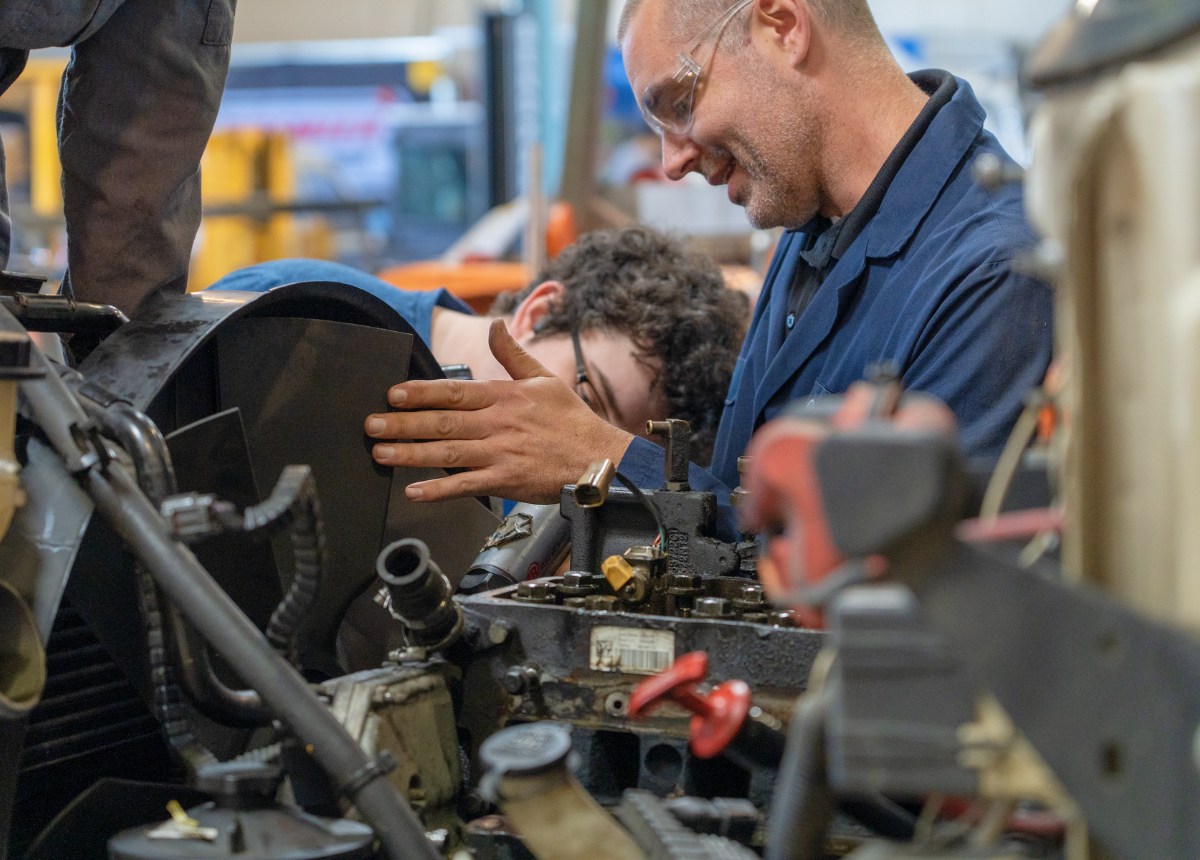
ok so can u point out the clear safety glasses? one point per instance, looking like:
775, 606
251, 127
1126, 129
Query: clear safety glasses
668, 105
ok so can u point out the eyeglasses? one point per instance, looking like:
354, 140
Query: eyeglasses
583, 385
669, 106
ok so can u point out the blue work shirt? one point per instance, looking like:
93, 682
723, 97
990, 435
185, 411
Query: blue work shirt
416, 306
928, 285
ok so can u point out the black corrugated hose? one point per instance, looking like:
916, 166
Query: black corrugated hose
294, 502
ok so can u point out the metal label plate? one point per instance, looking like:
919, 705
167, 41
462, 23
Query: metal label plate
631, 650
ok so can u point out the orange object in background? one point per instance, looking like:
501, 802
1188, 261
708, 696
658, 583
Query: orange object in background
476, 283
561, 229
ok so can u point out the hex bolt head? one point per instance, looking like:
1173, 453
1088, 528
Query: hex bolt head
535, 592
781, 618
685, 583
576, 583
602, 603
520, 679
711, 607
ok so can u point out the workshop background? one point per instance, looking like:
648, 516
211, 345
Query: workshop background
408, 138
982, 701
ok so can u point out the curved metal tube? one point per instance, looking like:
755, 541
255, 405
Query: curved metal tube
142, 440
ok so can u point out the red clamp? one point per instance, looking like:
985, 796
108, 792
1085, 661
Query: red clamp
719, 714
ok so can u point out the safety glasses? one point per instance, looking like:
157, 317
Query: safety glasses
668, 106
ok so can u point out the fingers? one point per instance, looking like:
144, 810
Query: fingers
434, 424
441, 394
518, 363
450, 455
455, 486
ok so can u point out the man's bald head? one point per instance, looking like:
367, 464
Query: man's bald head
689, 17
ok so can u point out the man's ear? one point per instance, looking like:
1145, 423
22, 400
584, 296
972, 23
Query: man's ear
534, 307
785, 26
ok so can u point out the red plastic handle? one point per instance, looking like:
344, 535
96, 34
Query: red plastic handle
674, 684
719, 716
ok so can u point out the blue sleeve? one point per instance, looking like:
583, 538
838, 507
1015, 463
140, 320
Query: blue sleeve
988, 345
416, 306
643, 465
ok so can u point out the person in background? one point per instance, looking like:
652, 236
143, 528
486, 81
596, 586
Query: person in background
634, 325
138, 101
894, 253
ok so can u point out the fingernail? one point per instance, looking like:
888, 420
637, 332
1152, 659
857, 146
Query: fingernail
415, 493
375, 425
396, 397
384, 452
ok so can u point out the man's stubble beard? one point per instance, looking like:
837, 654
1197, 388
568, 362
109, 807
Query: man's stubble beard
784, 189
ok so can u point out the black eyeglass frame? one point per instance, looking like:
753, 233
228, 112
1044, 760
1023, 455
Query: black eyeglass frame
584, 384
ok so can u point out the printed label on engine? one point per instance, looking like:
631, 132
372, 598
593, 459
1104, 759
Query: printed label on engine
631, 650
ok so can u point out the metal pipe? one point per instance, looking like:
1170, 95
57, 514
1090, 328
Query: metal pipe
226, 628
141, 439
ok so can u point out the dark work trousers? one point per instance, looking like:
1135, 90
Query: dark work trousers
137, 105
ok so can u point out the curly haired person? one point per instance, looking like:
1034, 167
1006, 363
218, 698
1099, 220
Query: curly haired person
639, 327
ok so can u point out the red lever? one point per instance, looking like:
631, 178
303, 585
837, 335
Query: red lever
719, 715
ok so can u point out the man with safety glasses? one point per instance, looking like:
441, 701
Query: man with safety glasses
893, 252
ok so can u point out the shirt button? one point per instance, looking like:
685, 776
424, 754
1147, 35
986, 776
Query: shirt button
791, 321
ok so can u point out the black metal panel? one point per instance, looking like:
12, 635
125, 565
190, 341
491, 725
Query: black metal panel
1088, 43
1109, 700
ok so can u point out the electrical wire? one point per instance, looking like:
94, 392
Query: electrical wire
1010, 458
649, 505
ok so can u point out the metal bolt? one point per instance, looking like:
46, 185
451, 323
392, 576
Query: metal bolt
601, 603
498, 632
750, 598
781, 618
537, 591
754, 617
684, 583
575, 602
711, 607
576, 583
520, 679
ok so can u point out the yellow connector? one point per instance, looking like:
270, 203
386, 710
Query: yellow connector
617, 571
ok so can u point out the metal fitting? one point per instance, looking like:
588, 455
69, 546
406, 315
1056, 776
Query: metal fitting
519, 680
750, 598
712, 607
538, 591
601, 603
591, 489
577, 583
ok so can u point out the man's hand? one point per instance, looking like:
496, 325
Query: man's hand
521, 439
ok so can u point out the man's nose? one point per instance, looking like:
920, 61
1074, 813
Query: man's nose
680, 156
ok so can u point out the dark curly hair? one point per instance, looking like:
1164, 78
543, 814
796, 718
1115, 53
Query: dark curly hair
672, 304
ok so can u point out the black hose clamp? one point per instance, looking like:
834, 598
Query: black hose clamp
369, 772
